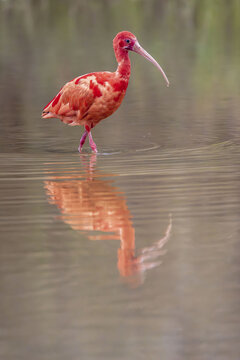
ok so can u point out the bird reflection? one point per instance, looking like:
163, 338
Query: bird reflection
92, 204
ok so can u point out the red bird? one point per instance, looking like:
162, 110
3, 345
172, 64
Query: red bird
90, 98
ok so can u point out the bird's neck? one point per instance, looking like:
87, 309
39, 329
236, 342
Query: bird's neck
124, 64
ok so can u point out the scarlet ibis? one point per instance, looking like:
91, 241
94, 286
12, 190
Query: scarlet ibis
90, 98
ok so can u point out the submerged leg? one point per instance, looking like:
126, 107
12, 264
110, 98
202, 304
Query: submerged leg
82, 141
92, 143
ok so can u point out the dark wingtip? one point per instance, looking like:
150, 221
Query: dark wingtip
44, 113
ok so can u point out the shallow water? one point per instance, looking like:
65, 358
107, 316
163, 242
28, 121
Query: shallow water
131, 253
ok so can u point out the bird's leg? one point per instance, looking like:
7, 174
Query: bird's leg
92, 143
82, 141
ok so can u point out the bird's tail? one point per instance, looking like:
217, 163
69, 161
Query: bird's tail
47, 114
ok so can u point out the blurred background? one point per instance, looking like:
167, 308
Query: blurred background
133, 253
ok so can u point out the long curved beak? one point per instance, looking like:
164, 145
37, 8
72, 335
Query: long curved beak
139, 50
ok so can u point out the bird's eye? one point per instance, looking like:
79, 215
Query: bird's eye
127, 41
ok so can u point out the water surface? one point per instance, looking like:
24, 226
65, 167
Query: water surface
131, 253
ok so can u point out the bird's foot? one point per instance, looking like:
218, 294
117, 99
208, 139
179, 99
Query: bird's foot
94, 149
92, 143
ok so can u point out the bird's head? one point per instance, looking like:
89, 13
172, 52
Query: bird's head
125, 41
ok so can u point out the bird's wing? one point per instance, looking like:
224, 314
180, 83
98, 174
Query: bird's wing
73, 100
